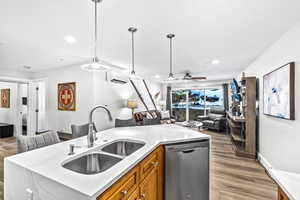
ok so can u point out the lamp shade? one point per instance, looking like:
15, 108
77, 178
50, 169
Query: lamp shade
132, 104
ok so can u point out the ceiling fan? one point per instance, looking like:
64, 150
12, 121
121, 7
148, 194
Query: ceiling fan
187, 75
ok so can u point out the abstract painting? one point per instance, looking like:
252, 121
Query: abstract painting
66, 96
279, 92
5, 98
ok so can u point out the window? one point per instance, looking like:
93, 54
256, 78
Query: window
189, 104
214, 99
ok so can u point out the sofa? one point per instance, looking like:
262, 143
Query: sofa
145, 118
215, 120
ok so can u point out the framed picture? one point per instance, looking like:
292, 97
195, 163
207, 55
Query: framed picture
66, 94
5, 98
279, 92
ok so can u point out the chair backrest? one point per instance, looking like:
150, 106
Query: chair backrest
81, 130
125, 123
217, 111
155, 121
28, 143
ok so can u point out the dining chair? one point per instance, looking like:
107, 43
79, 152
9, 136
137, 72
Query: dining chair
125, 123
155, 121
81, 130
28, 143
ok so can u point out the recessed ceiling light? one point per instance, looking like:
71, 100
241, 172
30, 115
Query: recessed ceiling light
215, 62
156, 76
70, 39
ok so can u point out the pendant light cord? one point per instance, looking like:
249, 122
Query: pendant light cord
96, 31
132, 48
171, 36
171, 57
132, 30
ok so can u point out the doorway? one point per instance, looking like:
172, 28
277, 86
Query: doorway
23, 110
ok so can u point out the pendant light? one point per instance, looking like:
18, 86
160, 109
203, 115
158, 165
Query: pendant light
132, 30
171, 75
96, 64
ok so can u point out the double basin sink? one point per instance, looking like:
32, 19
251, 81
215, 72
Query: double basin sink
107, 156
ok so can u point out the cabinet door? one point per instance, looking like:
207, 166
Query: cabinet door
135, 195
149, 187
123, 188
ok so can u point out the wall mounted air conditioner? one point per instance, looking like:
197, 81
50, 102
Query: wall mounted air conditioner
117, 77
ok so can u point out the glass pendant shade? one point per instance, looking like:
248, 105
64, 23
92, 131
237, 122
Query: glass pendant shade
96, 64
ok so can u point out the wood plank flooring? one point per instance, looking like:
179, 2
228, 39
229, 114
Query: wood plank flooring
236, 178
233, 178
8, 147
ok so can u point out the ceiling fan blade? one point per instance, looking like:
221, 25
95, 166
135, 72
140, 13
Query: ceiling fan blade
199, 78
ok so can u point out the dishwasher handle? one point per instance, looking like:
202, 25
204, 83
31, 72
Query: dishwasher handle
188, 151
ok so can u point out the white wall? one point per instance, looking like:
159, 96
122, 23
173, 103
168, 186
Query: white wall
279, 140
9, 115
91, 89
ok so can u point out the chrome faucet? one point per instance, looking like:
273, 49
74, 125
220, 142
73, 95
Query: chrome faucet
91, 137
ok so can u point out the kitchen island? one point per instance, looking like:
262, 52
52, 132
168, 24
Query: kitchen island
40, 175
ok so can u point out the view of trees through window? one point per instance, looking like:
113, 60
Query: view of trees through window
198, 102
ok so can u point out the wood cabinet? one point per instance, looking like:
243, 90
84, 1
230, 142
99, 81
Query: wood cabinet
124, 187
135, 195
282, 195
149, 186
242, 129
143, 182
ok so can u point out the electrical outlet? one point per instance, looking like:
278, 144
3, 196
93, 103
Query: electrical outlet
29, 194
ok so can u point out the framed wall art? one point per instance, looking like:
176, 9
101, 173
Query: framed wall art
279, 92
5, 98
66, 94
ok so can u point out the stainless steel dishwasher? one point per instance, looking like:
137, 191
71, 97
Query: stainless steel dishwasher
187, 171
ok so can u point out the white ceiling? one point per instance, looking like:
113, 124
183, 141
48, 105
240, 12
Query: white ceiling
234, 31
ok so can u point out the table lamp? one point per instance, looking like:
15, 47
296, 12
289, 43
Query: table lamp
132, 104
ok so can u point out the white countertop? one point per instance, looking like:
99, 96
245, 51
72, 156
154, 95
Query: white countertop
289, 182
48, 161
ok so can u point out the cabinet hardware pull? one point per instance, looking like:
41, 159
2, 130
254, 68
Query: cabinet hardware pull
154, 163
143, 196
124, 192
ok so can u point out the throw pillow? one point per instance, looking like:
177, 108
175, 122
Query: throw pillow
165, 114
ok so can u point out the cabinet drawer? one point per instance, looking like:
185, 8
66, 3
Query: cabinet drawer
149, 163
282, 195
123, 188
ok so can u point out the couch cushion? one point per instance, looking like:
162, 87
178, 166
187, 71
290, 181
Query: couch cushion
214, 116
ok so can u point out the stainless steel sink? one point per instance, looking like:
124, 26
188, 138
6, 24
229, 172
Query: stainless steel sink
123, 148
92, 163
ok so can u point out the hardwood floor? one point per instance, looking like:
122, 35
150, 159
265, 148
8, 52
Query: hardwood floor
236, 178
8, 147
233, 178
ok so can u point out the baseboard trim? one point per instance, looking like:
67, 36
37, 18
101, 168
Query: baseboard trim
264, 162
